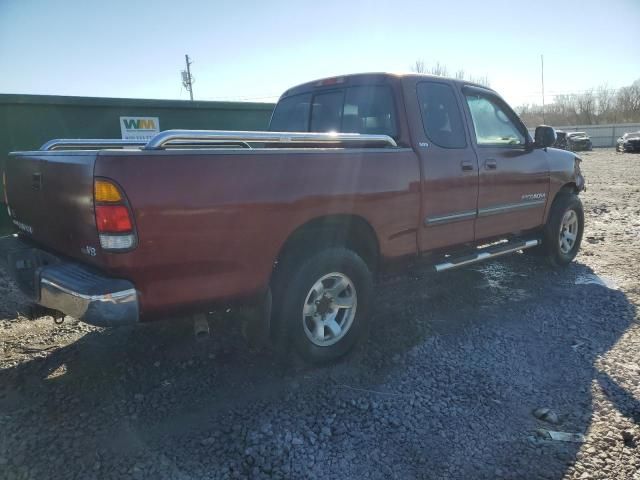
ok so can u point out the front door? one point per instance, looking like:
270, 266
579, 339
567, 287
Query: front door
449, 167
513, 178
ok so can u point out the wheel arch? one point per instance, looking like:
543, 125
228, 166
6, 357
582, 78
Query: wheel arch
566, 188
569, 187
348, 230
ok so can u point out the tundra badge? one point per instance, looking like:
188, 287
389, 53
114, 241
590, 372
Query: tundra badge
534, 196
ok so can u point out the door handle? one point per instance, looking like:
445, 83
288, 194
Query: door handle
490, 164
467, 166
36, 181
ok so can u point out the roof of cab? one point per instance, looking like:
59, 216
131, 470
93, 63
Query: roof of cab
369, 78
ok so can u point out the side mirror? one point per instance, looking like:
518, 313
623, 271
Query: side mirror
545, 136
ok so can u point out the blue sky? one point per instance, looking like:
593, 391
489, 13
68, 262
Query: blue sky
256, 50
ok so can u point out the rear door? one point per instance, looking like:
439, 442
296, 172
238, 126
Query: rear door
514, 179
448, 162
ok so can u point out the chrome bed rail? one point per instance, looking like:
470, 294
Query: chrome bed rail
90, 143
195, 136
223, 138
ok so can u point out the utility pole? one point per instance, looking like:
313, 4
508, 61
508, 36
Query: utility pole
187, 79
542, 70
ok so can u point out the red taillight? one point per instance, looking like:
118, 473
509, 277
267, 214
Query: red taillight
113, 219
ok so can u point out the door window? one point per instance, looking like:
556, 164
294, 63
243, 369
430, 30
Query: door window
441, 116
492, 123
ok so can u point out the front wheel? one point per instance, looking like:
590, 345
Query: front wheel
322, 303
564, 229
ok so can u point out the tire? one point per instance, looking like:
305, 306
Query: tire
566, 218
307, 299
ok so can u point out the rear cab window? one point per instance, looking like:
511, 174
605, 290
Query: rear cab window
326, 112
291, 114
367, 109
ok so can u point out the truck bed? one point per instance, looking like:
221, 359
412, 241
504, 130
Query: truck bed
211, 222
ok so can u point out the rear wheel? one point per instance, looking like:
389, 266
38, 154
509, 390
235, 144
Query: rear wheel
321, 303
564, 229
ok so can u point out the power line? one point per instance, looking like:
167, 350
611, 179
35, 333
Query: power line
542, 71
239, 98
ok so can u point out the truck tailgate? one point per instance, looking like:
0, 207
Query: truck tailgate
50, 196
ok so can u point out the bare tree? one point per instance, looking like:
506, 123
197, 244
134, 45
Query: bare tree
600, 105
586, 106
628, 102
566, 109
419, 67
605, 101
484, 80
441, 70
438, 69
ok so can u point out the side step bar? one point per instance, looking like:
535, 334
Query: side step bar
487, 253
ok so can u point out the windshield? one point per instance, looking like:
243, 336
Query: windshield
577, 134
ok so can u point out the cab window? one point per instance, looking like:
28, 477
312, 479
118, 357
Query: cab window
492, 123
291, 114
369, 109
361, 109
326, 112
441, 116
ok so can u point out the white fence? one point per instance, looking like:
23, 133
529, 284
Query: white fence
601, 135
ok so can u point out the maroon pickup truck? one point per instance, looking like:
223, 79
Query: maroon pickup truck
354, 172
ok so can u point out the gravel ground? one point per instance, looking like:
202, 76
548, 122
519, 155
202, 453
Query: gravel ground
445, 386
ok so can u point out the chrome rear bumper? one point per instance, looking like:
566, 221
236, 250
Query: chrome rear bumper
71, 288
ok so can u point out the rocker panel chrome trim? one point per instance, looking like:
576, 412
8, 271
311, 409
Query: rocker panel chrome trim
452, 217
510, 207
